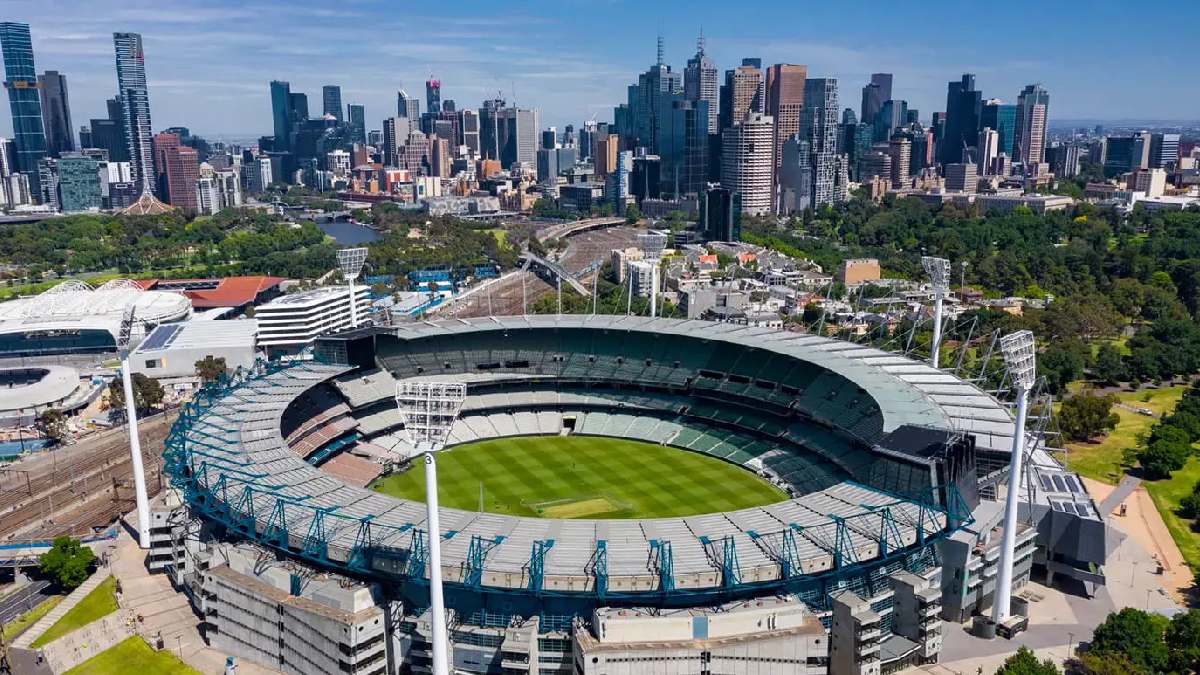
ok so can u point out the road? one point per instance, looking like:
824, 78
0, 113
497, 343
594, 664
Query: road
24, 599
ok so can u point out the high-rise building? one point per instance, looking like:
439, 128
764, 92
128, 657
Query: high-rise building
281, 113
684, 148
47, 182
178, 171
407, 106
747, 165
700, 84
818, 127
356, 116
56, 112
649, 102
961, 177
135, 107
785, 98
1001, 118
988, 150
742, 94
900, 150
433, 95
78, 183
8, 157
964, 104
616, 188
645, 181
549, 138
1164, 150
331, 99
878, 90
20, 80
1119, 155
468, 129
720, 214
794, 177
395, 134
890, 119
604, 154
489, 128
518, 129
1033, 106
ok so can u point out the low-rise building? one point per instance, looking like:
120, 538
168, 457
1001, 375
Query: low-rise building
292, 322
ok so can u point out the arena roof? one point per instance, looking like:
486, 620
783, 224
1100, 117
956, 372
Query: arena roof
223, 292
76, 305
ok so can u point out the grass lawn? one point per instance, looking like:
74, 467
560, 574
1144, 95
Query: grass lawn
1102, 461
584, 477
101, 602
1166, 495
18, 625
133, 655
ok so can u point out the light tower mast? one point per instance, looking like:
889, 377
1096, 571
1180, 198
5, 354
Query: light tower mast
429, 409
124, 337
652, 245
351, 261
938, 270
1018, 351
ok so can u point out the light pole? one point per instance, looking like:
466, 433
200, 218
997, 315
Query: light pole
351, 261
429, 410
938, 270
1018, 350
124, 337
652, 245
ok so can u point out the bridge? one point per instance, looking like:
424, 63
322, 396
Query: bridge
26, 553
555, 270
562, 230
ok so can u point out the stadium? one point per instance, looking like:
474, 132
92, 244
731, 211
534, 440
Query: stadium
856, 525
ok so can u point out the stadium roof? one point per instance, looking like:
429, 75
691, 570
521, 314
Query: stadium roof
74, 304
225, 292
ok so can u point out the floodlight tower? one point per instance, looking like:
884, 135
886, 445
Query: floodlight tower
652, 245
938, 270
429, 409
351, 260
1018, 351
124, 336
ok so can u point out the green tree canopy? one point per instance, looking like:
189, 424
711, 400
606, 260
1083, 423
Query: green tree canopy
1136, 634
1025, 662
1085, 416
67, 563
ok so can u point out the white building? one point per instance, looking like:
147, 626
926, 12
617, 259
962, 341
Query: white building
229, 183
746, 162
1151, 181
338, 161
291, 322
642, 271
208, 196
170, 352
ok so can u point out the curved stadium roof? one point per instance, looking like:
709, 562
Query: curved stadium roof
76, 305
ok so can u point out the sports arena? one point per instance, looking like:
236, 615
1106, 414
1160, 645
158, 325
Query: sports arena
878, 461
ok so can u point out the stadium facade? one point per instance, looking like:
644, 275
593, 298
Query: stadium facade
889, 527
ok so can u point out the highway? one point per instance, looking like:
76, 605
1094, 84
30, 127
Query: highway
24, 599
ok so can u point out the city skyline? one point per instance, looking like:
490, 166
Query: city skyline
209, 67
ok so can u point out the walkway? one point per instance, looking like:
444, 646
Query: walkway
1125, 488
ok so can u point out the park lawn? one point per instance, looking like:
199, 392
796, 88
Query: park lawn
1102, 460
14, 628
1167, 495
584, 477
98, 604
133, 655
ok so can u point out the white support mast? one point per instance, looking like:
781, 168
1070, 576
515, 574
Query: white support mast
938, 270
429, 410
1018, 351
135, 447
351, 261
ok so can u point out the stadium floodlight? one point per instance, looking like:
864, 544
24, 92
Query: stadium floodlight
351, 261
124, 338
1018, 350
652, 245
938, 270
429, 409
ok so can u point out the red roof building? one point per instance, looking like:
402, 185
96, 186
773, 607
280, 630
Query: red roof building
235, 292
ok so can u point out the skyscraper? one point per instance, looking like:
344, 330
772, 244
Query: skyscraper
818, 127
1001, 118
407, 106
1164, 150
785, 98
178, 171
700, 84
878, 90
78, 183
468, 129
357, 117
331, 98
747, 161
135, 107
518, 128
900, 150
20, 80
964, 104
684, 148
281, 107
56, 112
433, 95
742, 94
1033, 105
650, 102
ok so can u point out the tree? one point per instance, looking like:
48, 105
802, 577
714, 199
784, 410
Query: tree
1063, 363
67, 562
1106, 663
1085, 416
1025, 662
210, 368
1183, 640
1136, 634
632, 214
1160, 458
147, 392
1109, 368
53, 424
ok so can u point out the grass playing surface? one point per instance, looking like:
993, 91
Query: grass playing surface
583, 477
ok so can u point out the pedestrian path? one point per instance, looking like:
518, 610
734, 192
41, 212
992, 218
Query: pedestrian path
63, 607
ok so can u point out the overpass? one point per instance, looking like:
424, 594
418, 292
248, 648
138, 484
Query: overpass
555, 270
562, 230
19, 553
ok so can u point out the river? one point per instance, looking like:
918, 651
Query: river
348, 233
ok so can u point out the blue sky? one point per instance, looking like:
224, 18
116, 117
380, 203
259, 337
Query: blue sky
209, 63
